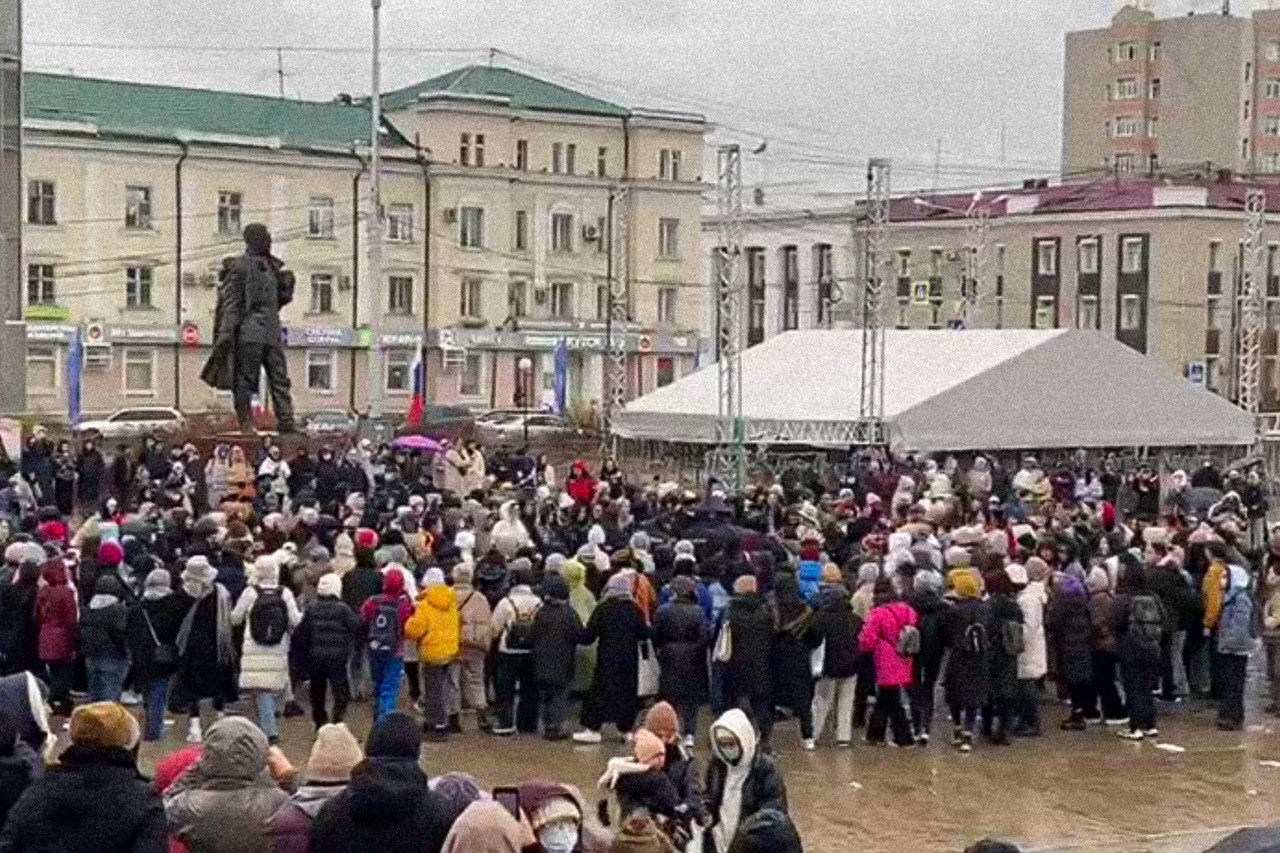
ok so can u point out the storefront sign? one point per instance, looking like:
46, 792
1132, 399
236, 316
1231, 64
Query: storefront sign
50, 332
318, 336
589, 340
142, 334
400, 340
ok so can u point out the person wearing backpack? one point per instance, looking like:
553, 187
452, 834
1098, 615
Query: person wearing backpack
384, 616
270, 614
891, 637
930, 608
1237, 637
1140, 620
1068, 622
104, 640
466, 673
515, 690
1007, 633
964, 628
326, 639
435, 625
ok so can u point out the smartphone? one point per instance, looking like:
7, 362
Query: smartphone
509, 799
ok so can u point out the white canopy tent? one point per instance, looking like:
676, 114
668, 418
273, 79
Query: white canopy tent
951, 390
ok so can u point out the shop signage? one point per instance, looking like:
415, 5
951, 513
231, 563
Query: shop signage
142, 334
318, 336
50, 332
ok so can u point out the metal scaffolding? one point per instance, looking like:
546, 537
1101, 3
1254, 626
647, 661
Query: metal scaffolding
978, 227
876, 223
728, 461
1252, 271
619, 313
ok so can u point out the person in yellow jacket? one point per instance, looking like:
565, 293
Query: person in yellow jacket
436, 626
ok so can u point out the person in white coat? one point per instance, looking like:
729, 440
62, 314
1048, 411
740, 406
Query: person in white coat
270, 614
509, 533
1033, 661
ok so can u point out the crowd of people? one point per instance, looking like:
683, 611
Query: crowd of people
472, 585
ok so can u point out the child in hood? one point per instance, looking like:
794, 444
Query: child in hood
639, 780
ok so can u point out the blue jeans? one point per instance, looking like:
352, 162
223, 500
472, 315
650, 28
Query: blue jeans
156, 697
265, 700
386, 669
106, 678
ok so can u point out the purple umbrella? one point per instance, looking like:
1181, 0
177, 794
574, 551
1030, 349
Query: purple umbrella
417, 442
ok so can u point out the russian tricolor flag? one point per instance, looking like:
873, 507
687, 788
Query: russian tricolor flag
418, 400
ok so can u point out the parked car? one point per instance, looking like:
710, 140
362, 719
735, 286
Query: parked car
133, 423
510, 427
456, 423
331, 422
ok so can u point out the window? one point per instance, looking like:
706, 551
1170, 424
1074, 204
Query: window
1131, 254
137, 287
557, 157
602, 162
320, 371
570, 155
137, 207
400, 294
40, 289
1046, 312
667, 305
1153, 163
400, 223
464, 150
1269, 164
522, 155
602, 230
1248, 71
520, 231
42, 369
479, 149
1244, 148
1047, 257
230, 211
562, 300
668, 165
1130, 312
1125, 163
1153, 89
1213, 313
469, 297
666, 371
1273, 51
1087, 312
1126, 51
40, 203
1153, 52
1215, 252
1153, 127
602, 302
321, 293
1126, 88
562, 232
668, 238
790, 288
823, 273
1271, 89
140, 372
518, 299
399, 377
471, 227
320, 218
471, 377
1125, 126
756, 269
904, 263
1087, 257
935, 263
1248, 109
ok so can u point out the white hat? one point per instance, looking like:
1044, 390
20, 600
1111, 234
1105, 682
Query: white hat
1017, 573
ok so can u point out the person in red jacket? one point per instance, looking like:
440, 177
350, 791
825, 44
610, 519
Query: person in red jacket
384, 616
580, 485
57, 613
882, 637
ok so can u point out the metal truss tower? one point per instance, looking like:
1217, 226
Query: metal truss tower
619, 313
978, 226
1252, 271
729, 462
871, 408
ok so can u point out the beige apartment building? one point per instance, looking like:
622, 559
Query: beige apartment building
496, 190
1148, 95
1154, 264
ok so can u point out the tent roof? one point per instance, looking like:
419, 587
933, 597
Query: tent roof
980, 389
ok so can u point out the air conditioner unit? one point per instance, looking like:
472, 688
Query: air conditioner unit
540, 294
451, 215
344, 283
953, 255
590, 233
95, 335
190, 279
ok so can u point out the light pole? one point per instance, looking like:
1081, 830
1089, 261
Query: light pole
374, 273
525, 365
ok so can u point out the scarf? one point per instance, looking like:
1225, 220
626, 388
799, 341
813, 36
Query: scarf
222, 621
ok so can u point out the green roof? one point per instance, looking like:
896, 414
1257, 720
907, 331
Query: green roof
164, 112
525, 92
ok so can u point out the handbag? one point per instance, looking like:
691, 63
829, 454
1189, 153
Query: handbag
818, 660
649, 673
724, 644
163, 654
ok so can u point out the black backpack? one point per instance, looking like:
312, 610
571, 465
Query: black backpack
385, 629
520, 629
269, 618
1146, 625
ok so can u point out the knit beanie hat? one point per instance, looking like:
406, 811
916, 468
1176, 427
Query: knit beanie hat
460, 789
831, 574
110, 553
868, 573
1037, 569
957, 557
395, 736
744, 585
647, 746
464, 574
966, 582
662, 721
553, 563
683, 586
159, 579
104, 725
329, 586
638, 834
366, 539
684, 548
433, 577
334, 754
927, 581
1098, 580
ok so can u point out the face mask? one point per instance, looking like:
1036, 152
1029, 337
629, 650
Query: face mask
558, 838
730, 752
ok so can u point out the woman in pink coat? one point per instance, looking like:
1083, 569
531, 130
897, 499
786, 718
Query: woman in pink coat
881, 637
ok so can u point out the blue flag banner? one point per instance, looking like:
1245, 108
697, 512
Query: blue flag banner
75, 371
561, 377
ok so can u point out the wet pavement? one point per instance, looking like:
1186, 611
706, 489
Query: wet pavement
1066, 791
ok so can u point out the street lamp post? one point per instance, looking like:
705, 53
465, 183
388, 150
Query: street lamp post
525, 365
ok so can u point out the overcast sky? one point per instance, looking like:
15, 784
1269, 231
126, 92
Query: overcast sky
835, 80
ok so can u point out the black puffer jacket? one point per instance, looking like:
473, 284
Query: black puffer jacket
931, 610
359, 585
104, 629
1069, 624
163, 616
680, 635
751, 627
387, 807
838, 626
556, 630
768, 831
93, 800
764, 788
328, 633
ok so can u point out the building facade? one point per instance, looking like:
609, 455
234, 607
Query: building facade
12, 340
1147, 95
1154, 264
495, 188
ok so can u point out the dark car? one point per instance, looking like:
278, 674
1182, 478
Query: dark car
456, 423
